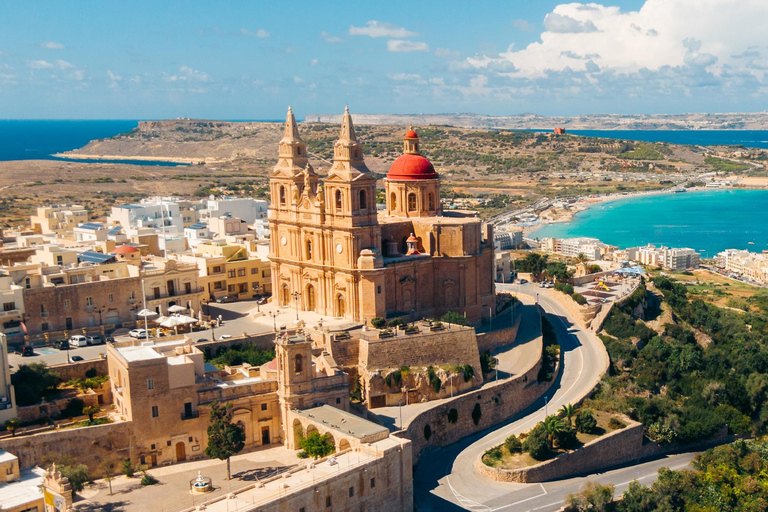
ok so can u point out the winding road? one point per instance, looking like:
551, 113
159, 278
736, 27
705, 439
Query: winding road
446, 479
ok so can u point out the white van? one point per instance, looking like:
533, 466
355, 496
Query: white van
78, 341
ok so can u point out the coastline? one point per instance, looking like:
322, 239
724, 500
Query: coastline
170, 159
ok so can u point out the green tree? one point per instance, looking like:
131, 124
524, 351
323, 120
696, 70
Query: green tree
534, 263
108, 468
585, 422
316, 445
536, 444
454, 317
128, 469
554, 427
225, 439
487, 362
568, 411
378, 322
12, 425
513, 444
90, 410
592, 497
32, 382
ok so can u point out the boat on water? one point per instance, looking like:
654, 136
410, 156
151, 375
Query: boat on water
750, 243
680, 190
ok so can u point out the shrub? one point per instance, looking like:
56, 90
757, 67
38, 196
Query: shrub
579, 298
427, 431
493, 454
452, 317
317, 445
434, 380
91, 373
302, 454
565, 288
378, 322
77, 475
128, 469
148, 479
396, 322
513, 444
487, 362
616, 424
566, 438
453, 416
585, 422
74, 407
476, 414
536, 443
468, 371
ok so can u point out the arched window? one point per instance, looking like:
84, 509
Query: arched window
282, 195
393, 201
431, 201
310, 303
298, 363
309, 250
411, 202
338, 199
341, 307
363, 203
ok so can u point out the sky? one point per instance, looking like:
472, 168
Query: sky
251, 59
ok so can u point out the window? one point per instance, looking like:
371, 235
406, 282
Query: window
231, 288
9, 306
263, 407
167, 443
42, 309
327, 502
393, 201
150, 383
89, 301
431, 201
218, 285
338, 400
132, 296
155, 413
298, 363
254, 271
282, 195
378, 289
263, 273
338, 199
373, 483
27, 283
156, 292
241, 272
66, 303
255, 286
187, 287
216, 269
190, 438
232, 273
111, 298
351, 492
411, 202
309, 249
44, 326
152, 447
59, 260
243, 288
363, 202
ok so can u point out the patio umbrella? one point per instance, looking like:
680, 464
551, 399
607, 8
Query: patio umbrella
144, 313
185, 319
172, 321
176, 309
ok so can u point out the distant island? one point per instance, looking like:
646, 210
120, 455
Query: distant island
725, 121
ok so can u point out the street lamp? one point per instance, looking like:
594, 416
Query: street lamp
296, 296
213, 331
274, 314
400, 406
258, 300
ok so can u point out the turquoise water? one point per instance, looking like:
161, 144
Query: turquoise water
709, 221
747, 138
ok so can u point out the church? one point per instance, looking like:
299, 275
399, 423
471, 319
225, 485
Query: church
334, 252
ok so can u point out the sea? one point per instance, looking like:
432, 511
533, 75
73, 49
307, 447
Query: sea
708, 221
746, 138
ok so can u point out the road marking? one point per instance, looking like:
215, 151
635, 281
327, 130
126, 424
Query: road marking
464, 501
518, 502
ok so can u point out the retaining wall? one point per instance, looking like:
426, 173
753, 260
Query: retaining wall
499, 338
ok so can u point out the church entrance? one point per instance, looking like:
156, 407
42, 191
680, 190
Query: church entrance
181, 452
310, 298
341, 307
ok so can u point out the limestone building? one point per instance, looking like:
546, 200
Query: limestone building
332, 253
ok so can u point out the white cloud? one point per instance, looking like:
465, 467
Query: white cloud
662, 34
39, 64
187, 74
52, 45
114, 77
381, 29
329, 38
406, 77
261, 33
64, 64
402, 46
522, 25
314, 62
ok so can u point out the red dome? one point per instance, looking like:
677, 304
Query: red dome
125, 249
410, 134
411, 167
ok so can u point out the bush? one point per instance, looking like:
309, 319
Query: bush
493, 455
453, 416
566, 438
148, 479
77, 475
476, 414
378, 322
536, 443
487, 362
317, 445
33, 381
468, 371
585, 422
513, 444
616, 424
434, 380
128, 469
452, 317
302, 454
397, 322
579, 298
74, 408
565, 288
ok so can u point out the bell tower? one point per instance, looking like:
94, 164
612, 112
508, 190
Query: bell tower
287, 180
294, 376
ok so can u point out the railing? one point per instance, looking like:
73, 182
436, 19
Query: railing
190, 416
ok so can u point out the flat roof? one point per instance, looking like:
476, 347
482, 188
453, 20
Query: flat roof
22, 491
139, 353
6, 457
344, 421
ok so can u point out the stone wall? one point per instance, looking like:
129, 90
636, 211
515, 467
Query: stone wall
87, 445
499, 338
77, 370
498, 402
265, 341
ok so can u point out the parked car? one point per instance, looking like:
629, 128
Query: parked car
27, 351
63, 345
78, 341
225, 336
202, 340
75, 359
226, 298
138, 333
95, 340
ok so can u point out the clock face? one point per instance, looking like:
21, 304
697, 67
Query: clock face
339, 248
283, 241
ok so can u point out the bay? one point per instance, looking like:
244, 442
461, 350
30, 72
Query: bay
708, 221
746, 138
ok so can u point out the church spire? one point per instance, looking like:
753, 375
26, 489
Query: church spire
348, 159
292, 151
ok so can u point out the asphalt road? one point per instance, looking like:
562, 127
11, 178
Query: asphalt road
445, 479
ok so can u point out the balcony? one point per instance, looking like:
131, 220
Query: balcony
190, 416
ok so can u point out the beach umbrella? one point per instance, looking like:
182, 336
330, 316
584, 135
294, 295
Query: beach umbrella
160, 319
171, 321
184, 319
144, 313
176, 309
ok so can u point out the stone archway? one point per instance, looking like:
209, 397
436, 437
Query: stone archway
343, 445
341, 305
298, 433
309, 302
286, 292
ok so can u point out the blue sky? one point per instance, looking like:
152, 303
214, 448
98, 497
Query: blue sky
249, 60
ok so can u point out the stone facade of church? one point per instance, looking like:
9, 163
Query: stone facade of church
332, 252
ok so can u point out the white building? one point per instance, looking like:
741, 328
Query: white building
592, 248
675, 258
197, 233
753, 266
246, 208
160, 214
227, 225
506, 240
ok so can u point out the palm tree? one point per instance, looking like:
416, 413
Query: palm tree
554, 426
582, 260
568, 411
